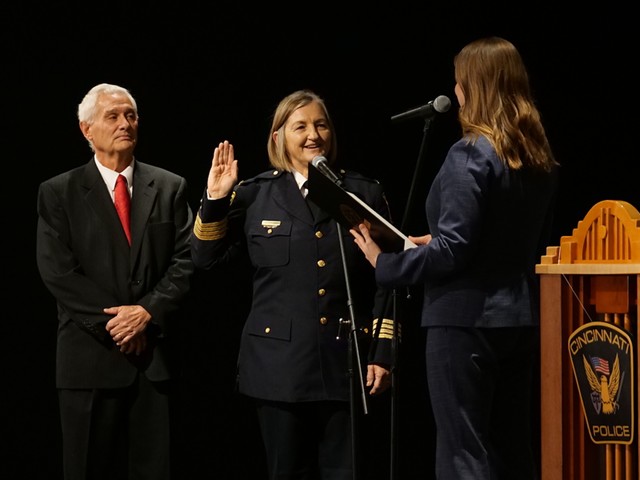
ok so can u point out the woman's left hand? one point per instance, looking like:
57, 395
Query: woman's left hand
378, 378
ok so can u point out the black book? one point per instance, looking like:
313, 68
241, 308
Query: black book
349, 210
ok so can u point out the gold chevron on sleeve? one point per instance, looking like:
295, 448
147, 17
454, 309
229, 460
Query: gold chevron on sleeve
209, 231
386, 331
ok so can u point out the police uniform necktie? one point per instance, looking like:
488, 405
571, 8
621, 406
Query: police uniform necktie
123, 204
315, 210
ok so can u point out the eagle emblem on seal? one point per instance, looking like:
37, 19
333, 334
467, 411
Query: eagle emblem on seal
604, 386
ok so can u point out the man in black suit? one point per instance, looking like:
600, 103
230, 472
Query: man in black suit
118, 296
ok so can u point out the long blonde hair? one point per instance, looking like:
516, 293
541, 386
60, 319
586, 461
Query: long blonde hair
499, 105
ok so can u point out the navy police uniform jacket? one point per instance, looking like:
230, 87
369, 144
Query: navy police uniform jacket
290, 350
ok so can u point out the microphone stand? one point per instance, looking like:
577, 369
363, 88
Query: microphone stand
353, 343
394, 341
353, 353
411, 196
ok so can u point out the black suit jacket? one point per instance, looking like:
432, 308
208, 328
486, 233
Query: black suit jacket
86, 263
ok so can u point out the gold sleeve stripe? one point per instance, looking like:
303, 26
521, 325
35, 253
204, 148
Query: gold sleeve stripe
386, 331
209, 231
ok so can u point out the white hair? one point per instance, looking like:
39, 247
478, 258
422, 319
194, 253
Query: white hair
87, 108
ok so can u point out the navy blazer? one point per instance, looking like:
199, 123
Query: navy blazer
86, 263
489, 225
289, 347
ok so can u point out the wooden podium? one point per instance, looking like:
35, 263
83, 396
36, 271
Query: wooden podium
594, 275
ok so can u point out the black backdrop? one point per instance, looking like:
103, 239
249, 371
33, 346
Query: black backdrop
204, 74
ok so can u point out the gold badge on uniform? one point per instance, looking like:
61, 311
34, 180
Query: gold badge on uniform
270, 225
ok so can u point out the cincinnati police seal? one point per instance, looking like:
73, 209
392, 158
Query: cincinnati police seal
602, 358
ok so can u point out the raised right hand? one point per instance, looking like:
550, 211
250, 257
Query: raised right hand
223, 174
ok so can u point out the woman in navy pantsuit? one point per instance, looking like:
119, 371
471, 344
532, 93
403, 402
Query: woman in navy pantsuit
489, 211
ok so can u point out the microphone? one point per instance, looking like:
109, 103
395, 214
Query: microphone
321, 164
440, 105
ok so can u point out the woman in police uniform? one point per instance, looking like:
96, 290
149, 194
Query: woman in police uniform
293, 357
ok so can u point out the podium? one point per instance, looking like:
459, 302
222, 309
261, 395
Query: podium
592, 277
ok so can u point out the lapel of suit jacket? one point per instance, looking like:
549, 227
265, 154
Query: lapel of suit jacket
287, 196
142, 201
99, 199
319, 214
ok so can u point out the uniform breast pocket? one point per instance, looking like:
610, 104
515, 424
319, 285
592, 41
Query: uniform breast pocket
269, 243
277, 328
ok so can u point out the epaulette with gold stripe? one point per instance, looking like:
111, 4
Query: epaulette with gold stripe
386, 331
210, 231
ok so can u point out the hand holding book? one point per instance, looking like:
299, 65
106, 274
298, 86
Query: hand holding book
350, 211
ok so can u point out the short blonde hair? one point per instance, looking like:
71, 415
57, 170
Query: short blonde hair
278, 157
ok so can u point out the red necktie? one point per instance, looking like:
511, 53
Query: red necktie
123, 204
